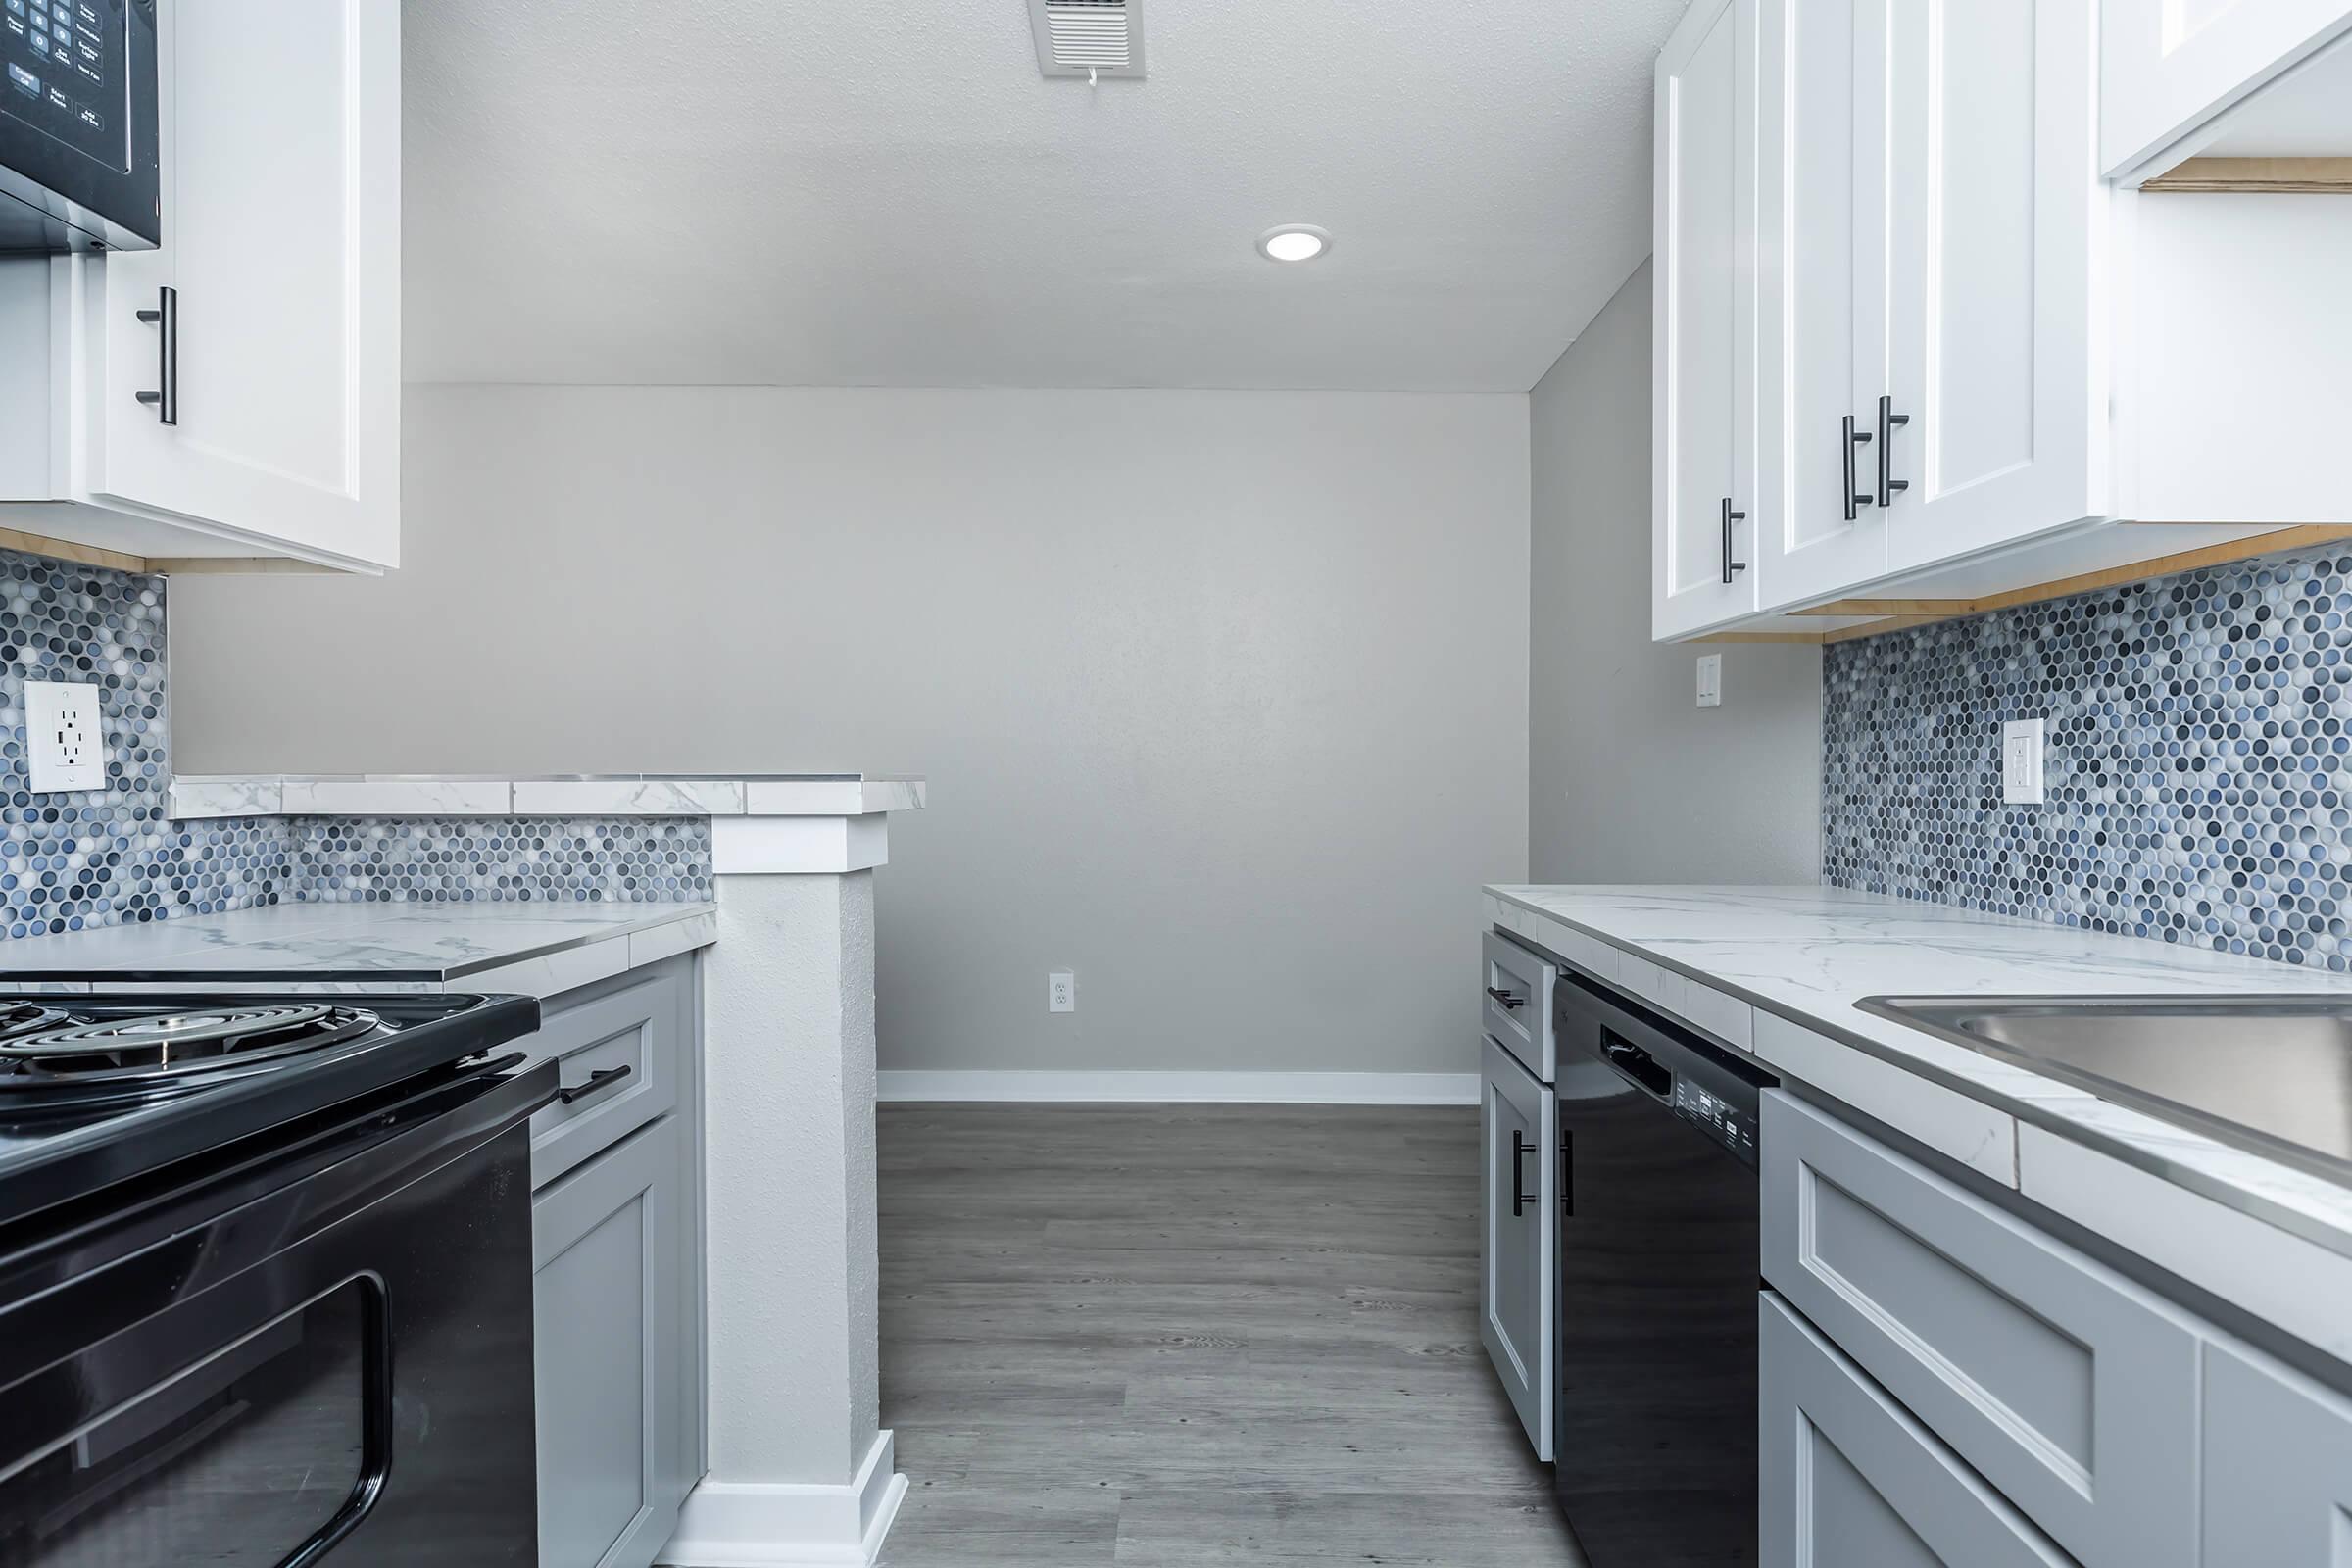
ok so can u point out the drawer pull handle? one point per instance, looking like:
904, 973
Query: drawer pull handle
1520, 1150
574, 1093
1505, 998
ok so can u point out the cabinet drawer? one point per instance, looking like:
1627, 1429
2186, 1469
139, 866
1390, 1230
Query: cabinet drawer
633, 1036
2068, 1388
1515, 1002
1849, 1480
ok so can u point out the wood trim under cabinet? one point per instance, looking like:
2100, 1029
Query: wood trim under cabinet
1903, 614
2311, 177
81, 554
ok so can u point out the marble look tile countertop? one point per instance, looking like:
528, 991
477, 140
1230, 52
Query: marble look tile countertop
543, 795
1786, 967
533, 948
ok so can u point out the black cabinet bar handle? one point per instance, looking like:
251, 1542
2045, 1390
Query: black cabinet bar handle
1520, 1150
1888, 484
1567, 1187
1728, 517
1854, 497
1505, 998
592, 1083
165, 318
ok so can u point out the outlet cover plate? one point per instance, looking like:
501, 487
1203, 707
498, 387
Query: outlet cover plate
1061, 992
61, 736
1710, 680
2021, 762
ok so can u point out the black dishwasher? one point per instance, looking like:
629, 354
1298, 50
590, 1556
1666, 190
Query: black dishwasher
1655, 1412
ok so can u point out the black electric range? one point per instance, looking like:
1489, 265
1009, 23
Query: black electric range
265, 1280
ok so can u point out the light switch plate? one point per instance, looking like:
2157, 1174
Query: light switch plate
1710, 680
61, 737
2021, 762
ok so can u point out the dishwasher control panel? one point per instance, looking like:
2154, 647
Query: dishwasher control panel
1730, 1125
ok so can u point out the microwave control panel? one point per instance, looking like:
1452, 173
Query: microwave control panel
66, 67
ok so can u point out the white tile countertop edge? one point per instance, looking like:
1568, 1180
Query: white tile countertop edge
550, 795
533, 948
1778, 971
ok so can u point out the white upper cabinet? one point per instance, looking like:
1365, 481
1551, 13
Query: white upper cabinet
1706, 514
1995, 423
2168, 65
264, 329
1976, 365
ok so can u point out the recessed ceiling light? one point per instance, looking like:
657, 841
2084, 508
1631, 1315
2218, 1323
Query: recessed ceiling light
1293, 242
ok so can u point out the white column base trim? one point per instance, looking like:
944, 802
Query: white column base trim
797, 846
1208, 1088
748, 1524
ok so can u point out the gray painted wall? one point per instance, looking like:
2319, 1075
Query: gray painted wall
1222, 695
1629, 780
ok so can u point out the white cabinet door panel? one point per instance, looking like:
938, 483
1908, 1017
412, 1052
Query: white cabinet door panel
281, 199
1996, 231
1703, 357
1822, 299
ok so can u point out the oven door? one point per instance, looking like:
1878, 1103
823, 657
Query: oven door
324, 1360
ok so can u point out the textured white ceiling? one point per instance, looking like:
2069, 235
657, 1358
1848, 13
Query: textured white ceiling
854, 194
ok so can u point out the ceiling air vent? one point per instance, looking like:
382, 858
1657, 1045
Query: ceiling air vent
1089, 37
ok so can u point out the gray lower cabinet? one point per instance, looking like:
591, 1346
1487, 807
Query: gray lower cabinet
1519, 1129
2278, 1481
617, 1254
1849, 1478
2067, 1386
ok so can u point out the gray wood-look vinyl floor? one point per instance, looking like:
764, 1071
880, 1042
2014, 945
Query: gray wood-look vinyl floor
1174, 1335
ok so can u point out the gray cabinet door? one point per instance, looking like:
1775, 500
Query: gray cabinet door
2278, 1466
1851, 1480
613, 1353
1519, 1229
2067, 1386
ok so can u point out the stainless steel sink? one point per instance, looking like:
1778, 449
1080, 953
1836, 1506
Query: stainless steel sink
2270, 1074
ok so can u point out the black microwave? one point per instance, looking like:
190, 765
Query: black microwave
79, 167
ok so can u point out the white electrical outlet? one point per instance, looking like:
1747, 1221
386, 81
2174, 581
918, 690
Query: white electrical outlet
1710, 680
1061, 992
61, 736
2021, 762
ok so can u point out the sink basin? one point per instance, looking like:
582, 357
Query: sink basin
2270, 1074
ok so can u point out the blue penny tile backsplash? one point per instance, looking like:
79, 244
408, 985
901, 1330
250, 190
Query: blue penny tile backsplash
2199, 768
506, 860
108, 856
113, 857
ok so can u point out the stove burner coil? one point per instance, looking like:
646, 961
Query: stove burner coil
155, 1047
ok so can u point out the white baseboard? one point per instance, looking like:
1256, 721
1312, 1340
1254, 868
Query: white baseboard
1162, 1088
746, 1524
